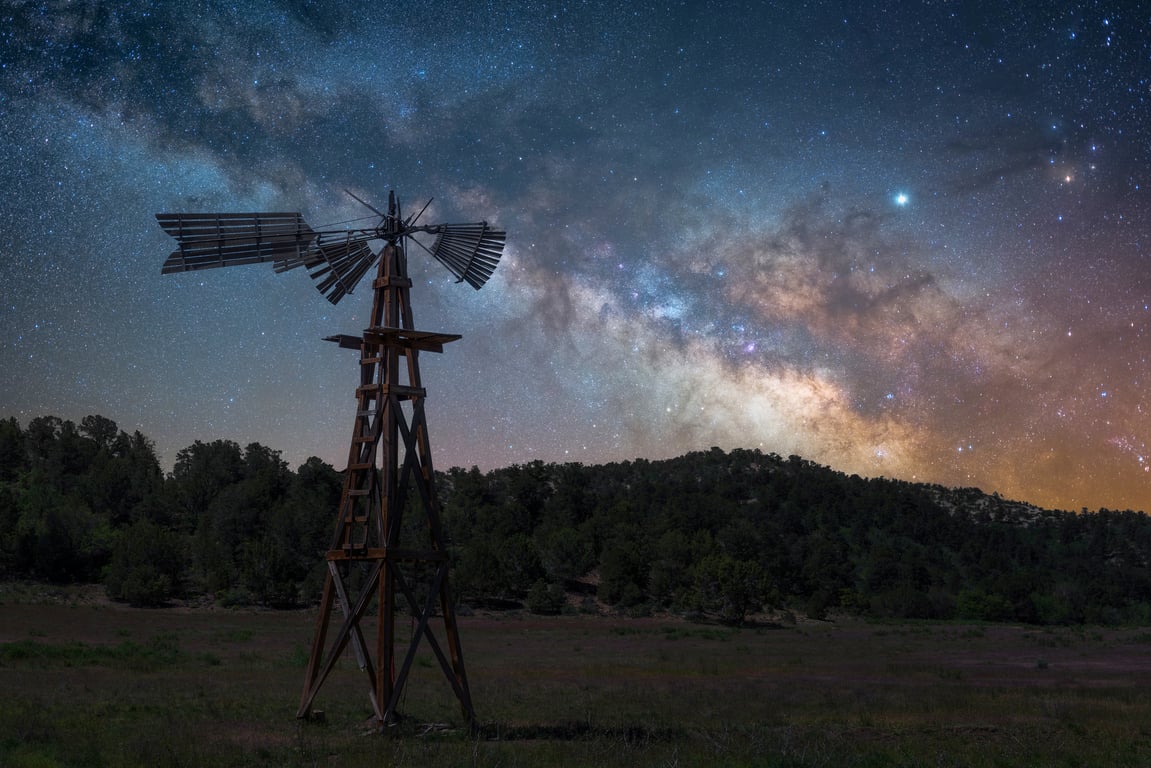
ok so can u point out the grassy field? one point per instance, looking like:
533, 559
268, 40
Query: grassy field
84, 683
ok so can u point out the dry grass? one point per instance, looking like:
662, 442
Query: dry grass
87, 684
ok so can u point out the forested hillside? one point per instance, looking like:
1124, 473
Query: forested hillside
709, 534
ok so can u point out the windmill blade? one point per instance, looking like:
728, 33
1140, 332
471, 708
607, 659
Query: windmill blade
208, 240
338, 266
308, 258
469, 251
325, 242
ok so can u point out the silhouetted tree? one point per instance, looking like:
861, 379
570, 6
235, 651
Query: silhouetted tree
146, 566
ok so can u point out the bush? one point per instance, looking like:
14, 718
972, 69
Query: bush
145, 566
545, 598
729, 587
983, 606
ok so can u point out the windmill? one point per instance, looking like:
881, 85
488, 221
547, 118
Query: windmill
376, 556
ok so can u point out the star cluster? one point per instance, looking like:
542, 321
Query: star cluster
901, 241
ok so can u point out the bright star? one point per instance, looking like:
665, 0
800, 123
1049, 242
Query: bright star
901, 199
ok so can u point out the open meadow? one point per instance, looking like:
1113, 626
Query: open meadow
87, 683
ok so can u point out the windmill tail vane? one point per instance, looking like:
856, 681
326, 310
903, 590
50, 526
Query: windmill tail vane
335, 259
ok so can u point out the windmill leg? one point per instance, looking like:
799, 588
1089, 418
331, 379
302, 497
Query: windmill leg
385, 645
457, 674
319, 637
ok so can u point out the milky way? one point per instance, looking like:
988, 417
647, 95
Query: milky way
906, 242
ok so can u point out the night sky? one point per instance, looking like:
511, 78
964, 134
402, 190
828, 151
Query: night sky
908, 242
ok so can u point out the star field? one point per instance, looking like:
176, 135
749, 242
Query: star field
907, 242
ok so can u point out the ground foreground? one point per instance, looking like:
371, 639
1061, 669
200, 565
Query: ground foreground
90, 684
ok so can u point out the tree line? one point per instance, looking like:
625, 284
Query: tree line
711, 534
89, 503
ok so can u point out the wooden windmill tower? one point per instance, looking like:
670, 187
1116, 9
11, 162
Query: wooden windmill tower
377, 560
